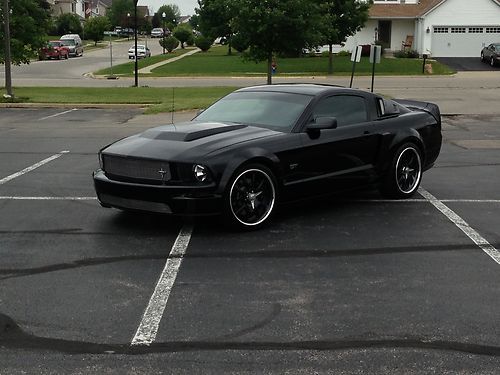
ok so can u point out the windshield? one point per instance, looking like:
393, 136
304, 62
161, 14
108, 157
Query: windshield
68, 42
54, 44
497, 47
273, 110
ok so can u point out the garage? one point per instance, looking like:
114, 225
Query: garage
462, 41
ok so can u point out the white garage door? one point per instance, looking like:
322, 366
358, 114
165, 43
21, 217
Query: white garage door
462, 41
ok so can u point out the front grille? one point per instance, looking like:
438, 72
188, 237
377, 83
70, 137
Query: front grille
143, 169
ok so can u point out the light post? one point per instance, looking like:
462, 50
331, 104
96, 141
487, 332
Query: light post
128, 26
8, 73
163, 15
135, 43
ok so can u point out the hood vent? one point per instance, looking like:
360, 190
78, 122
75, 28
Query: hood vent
187, 133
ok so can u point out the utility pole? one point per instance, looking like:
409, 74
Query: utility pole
8, 74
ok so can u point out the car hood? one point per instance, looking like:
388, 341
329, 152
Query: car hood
189, 141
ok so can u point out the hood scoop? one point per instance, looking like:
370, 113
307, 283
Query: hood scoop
188, 132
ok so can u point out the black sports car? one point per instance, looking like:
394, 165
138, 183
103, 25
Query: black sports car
267, 144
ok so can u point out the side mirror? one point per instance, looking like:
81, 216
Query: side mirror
322, 123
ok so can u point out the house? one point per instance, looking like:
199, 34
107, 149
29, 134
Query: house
439, 28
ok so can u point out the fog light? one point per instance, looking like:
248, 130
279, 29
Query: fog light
200, 172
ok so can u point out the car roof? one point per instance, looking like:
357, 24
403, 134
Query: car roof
297, 88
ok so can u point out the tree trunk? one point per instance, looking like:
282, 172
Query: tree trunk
270, 68
330, 59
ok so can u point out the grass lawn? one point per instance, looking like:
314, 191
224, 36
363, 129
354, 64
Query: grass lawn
156, 99
215, 62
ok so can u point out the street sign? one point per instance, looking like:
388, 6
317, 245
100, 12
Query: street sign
356, 54
375, 53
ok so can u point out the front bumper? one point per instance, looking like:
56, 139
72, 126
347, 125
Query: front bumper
177, 200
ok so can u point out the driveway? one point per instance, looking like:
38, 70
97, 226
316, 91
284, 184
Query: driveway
466, 64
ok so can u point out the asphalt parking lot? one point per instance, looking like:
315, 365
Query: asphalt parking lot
352, 284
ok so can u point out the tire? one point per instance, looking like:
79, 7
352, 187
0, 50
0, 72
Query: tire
482, 57
66, 56
405, 173
59, 57
250, 197
492, 61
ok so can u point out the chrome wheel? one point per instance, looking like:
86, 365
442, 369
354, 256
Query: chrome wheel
252, 196
408, 170
405, 173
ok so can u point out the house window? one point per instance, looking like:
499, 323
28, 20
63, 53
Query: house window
493, 30
475, 30
440, 30
458, 30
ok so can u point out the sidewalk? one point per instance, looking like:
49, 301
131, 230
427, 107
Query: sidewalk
148, 69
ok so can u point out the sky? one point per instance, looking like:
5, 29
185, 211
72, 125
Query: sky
186, 6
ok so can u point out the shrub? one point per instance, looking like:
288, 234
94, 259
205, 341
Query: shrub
203, 43
171, 43
239, 42
411, 54
344, 53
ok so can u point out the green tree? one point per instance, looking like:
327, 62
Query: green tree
183, 33
29, 22
118, 11
216, 18
68, 23
274, 27
95, 28
341, 19
172, 16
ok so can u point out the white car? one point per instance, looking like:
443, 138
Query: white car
157, 32
142, 51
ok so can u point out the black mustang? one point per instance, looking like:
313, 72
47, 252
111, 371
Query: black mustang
267, 144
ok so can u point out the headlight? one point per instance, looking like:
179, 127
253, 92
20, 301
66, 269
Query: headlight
200, 172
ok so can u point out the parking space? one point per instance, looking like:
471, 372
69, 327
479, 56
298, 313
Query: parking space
466, 64
342, 284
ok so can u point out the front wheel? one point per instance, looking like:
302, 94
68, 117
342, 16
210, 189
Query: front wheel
405, 173
250, 197
492, 61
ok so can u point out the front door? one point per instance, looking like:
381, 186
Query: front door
384, 33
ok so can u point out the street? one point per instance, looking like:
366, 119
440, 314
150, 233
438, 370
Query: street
349, 284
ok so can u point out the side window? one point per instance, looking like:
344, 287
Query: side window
347, 109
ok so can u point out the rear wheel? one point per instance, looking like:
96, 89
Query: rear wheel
492, 61
250, 197
405, 173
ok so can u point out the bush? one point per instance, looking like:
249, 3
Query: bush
170, 44
203, 43
410, 54
344, 53
239, 43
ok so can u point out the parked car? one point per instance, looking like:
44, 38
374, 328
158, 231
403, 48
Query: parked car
263, 145
491, 54
55, 49
74, 43
157, 32
142, 52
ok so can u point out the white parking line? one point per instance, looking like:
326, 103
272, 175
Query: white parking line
30, 168
58, 114
462, 224
48, 198
148, 328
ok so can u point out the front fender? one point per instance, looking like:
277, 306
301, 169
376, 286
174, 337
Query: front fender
250, 155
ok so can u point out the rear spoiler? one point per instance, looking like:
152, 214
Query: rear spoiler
431, 108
